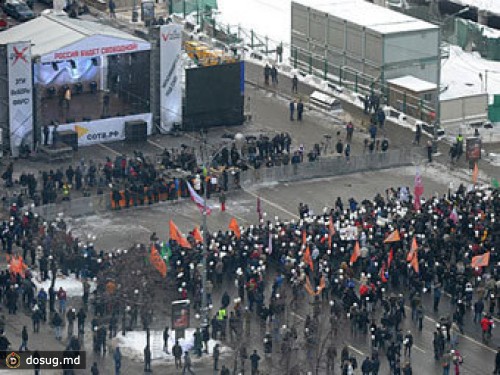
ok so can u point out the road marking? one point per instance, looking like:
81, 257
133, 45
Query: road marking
464, 336
275, 205
155, 144
297, 315
356, 350
109, 149
419, 349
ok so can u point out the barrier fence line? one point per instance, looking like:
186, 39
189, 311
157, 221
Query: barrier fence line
328, 166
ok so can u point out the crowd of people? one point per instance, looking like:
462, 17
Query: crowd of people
443, 236
321, 255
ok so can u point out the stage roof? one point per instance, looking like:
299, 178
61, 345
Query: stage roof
51, 32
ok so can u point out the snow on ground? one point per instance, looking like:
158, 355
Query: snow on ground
271, 18
460, 74
72, 285
133, 343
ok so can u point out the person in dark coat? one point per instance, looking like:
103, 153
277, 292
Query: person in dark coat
292, 109
295, 84
147, 359
300, 110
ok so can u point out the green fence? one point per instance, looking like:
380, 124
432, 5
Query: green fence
191, 6
484, 38
494, 109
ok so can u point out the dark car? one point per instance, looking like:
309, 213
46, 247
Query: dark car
18, 10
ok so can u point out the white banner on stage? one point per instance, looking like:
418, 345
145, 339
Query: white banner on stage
170, 76
106, 130
20, 96
94, 46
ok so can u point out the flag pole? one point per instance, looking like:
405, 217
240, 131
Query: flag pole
207, 163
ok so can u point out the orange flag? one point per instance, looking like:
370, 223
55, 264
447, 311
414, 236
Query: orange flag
413, 249
331, 232
17, 265
197, 235
233, 225
414, 262
310, 289
157, 262
308, 259
393, 237
475, 173
176, 235
481, 260
304, 239
356, 253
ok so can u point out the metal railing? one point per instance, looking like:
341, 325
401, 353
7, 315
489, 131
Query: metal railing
327, 167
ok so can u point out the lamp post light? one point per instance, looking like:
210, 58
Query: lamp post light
206, 241
437, 119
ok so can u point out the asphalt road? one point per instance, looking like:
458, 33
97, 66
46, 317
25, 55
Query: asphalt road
118, 230
282, 200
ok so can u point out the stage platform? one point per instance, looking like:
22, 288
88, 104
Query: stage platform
61, 152
87, 107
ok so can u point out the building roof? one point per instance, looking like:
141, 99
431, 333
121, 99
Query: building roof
412, 83
52, 32
373, 17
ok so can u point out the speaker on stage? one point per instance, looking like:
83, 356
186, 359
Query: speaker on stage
136, 131
68, 137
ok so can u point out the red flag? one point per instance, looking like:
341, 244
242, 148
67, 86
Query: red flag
308, 259
157, 262
382, 274
413, 249
197, 235
418, 190
481, 260
233, 225
393, 237
414, 262
390, 258
304, 238
176, 235
356, 253
475, 174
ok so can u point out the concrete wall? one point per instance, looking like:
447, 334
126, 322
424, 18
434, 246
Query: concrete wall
465, 110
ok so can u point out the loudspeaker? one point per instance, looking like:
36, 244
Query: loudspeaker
69, 137
136, 131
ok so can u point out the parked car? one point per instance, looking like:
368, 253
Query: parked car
429, 129
18, 10
3, 21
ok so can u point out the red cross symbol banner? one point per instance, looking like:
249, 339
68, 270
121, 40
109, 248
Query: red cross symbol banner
20, 96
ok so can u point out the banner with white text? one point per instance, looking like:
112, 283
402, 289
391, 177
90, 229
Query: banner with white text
20, 96
105, 130
170, 76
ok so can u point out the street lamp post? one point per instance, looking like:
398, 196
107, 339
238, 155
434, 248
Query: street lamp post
437, 118
208, 162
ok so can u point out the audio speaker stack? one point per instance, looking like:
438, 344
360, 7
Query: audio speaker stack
136, 131
69, 137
